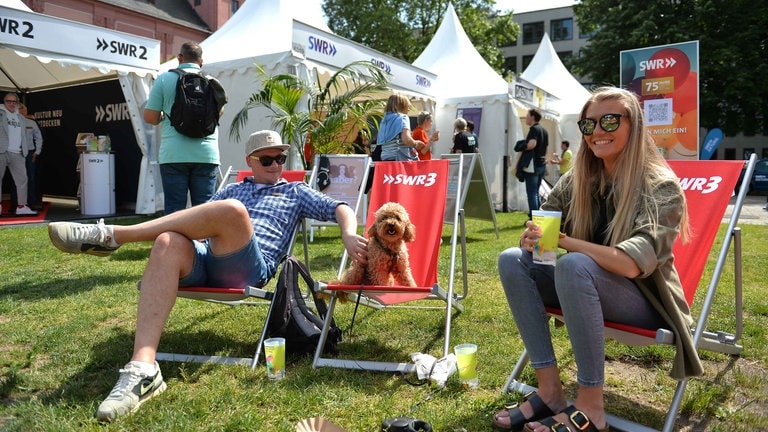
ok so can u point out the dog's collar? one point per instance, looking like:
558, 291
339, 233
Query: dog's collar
393, 254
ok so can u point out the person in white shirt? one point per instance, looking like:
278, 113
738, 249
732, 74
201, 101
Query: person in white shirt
13, 149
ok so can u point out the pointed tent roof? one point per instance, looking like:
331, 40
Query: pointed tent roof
461, 70
16, 4
254, 20
548, 72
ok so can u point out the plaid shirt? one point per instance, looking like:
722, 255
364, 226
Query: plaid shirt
276, 210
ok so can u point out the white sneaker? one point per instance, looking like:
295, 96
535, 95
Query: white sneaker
25, 211
133, 388
94, 239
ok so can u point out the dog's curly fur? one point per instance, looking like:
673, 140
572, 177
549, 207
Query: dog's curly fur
388, 262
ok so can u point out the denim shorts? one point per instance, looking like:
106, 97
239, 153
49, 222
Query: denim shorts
235, 270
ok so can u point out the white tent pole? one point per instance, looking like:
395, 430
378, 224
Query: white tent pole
149, 194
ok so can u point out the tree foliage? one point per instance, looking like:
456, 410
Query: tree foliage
733, 51
403, 28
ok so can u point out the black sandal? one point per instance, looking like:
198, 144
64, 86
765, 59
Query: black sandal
578, 418
515, 417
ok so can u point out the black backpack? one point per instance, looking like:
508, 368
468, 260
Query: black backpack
292, 319
195, 110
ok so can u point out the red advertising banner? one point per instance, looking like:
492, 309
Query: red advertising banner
666, 79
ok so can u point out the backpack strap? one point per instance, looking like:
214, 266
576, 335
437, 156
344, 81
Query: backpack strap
322, 308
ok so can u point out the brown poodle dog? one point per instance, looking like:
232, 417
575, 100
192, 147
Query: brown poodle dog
388, 262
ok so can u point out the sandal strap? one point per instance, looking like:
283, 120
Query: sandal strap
580, 420
540, 410
554, 425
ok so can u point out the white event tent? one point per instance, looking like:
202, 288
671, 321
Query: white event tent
465, 82
547, 72
39, 52
288, 37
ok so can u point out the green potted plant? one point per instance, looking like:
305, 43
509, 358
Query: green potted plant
323, 114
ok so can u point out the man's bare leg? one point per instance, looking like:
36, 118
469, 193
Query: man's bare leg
225, 222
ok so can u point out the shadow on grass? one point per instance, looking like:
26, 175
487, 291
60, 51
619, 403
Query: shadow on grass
58, 288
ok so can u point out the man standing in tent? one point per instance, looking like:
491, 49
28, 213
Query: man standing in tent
563, 161
537, 142
188, 165
13, 150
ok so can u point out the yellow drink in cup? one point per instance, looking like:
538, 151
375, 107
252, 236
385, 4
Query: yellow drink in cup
466, 359
545, 251
274, 351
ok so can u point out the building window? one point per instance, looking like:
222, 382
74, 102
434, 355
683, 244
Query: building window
510, 65
234, 5
561, 29
527, 60
533, 32
565, 56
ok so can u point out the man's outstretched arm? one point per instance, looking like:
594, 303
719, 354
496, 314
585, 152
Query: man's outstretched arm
356, 245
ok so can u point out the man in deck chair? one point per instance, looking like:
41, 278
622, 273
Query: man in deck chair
623, 208
247, 228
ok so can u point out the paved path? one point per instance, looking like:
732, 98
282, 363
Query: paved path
752, 213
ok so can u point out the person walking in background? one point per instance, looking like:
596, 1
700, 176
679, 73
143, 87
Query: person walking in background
395, 141
13, 150
423, 125
188, 166
34, 148
534, 155
236, 239
622, 210
471, 129
563, 161
463, 141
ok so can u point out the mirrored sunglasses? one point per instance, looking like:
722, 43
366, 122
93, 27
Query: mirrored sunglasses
609, 123
266, 161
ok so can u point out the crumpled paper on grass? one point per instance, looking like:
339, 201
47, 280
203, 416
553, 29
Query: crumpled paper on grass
437, 370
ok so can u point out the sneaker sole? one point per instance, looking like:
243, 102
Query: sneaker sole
161, 388
62, 245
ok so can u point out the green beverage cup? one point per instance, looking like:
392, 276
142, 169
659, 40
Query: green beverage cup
274, 351
466, 359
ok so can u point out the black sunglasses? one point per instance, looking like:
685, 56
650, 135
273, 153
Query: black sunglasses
609, 123
266, 161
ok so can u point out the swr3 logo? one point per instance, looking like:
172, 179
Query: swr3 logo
425, 180
705, 185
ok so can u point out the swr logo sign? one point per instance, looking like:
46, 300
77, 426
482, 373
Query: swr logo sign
425, 180
703, 184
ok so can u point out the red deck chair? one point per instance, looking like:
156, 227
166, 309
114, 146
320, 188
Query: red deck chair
407, 183
236, 296
708, 187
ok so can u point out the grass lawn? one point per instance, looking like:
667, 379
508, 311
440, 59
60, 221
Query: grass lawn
67, 323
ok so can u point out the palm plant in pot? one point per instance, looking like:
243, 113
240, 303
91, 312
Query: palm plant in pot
325, 114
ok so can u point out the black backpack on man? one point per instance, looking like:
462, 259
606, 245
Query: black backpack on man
196, 108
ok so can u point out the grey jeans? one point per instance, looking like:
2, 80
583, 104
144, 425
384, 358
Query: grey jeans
585, 292
17, 165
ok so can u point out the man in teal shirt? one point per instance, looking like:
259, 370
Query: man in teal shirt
187, 165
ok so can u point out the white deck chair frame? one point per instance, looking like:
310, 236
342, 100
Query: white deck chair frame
437, 292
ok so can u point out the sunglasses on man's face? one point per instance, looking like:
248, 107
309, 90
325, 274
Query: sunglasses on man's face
609, 123
266, 161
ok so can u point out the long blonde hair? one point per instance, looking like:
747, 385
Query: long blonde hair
639, 169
